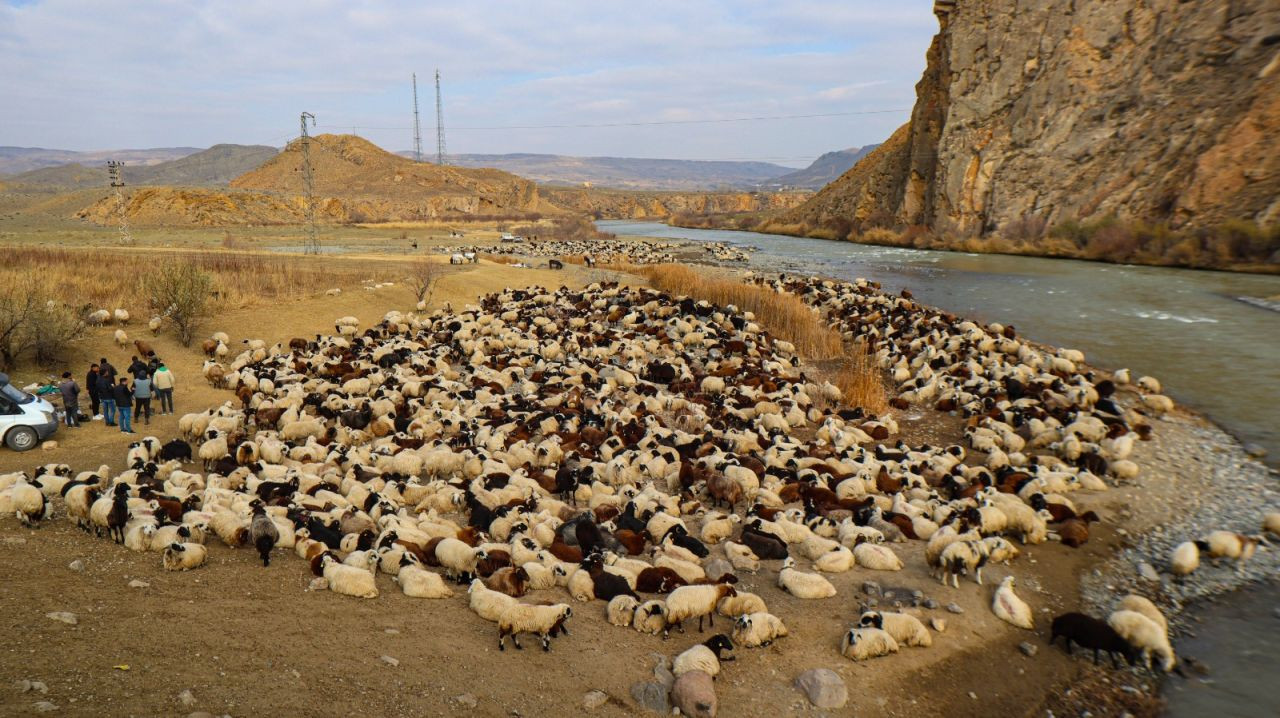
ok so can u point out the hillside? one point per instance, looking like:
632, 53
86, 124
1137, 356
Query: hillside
355, 181
213, 167
618, 204
15, 160
824, 170
1043, 115
626, 172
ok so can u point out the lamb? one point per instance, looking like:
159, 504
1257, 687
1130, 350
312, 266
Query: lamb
718, 528
704, 656
650, 617
1091, 633
1145, 636
758, 629
621, 610
694, 694
545, 621
743, 603
417, 582
906, 629
184, 556
263, 533
458, 559
700, 601
877, 557
1009, 608
486, 603
860, 644
742, 558
1185, 559
803, 585
348, 580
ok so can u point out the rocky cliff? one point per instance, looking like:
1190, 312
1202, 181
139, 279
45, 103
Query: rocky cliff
1153, 110
621, 204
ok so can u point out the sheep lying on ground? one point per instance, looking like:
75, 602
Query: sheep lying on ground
758, 629
859, 644
184, 556
906, 629
705, 656
803, 585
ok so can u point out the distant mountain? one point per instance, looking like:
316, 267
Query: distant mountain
213, 167
14, 160
626, 172
824, 170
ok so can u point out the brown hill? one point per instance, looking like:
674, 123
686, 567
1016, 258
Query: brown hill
1061, 111
623, 204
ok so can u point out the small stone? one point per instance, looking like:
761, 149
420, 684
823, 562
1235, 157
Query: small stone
973, 695
954, 608
871, 588
201, 714
466, 700
41, 688
1256, 451
64, 616
136, 583
873, 602
186, 698
390, 631
1028, 648
938, 624
594, 699
824, 688
651, 696
1147, 572
389, 660
662, 672
1131, 690
930, 603
917, 595
318, 584
23, 686
76, 565
44, 707
889, 595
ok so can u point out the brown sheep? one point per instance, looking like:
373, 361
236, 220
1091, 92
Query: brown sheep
659, 579
144, 349
723, 488
1075, 531
513, 581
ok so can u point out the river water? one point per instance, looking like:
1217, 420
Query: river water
1188, 328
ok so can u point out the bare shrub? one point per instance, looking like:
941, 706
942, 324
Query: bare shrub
422, 278
179, 291
32, 321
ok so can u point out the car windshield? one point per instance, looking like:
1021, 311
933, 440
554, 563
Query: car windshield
15, 395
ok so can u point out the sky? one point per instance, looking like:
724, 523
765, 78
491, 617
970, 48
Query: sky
84, 74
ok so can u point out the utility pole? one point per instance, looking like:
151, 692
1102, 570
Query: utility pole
115, 172
312, 245
417, 128
439, 122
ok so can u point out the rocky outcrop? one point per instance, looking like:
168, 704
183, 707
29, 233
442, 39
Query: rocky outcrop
1154, 110
609, 204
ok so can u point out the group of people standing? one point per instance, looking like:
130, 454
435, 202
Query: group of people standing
120, 398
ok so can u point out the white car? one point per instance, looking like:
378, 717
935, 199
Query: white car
25, 420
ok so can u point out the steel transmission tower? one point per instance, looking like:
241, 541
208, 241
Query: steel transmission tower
439, 122
417, 128
312, 245
115, 171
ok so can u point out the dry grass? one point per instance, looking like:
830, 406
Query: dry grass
110, 278
500, 258
785, 315
860, 381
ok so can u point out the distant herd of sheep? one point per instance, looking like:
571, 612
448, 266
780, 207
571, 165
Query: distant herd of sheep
608, 251
602, 442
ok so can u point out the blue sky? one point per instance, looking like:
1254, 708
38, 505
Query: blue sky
93, 75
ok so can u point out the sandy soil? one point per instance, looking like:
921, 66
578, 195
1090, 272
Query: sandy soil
246, 640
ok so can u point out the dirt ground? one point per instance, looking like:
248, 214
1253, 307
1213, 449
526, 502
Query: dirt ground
248, 641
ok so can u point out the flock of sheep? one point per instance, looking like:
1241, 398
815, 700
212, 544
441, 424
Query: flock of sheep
621, 445
608, 251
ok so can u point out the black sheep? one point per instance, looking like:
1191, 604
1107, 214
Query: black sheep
680, 537
176, 449
263, 533
1089, 632
606, 585
765, 545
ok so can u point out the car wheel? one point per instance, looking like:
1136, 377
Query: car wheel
22, 438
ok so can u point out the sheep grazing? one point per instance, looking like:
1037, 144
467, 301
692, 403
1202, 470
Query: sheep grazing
486, 603
758, 629
700, 601
694, 694
1229, 544
860, 644
1145, 636
121, 338
1092, 634
1185, 559
906, 629
621, 610
1009, 608
1271, 523
263, 533
155, 324
417, 582
98, 318
803, 585
1143, 605
184, 556
705, 656
348, 580
650, 617
545, 621
122, 317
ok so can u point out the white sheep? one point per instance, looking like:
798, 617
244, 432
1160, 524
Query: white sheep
906, 629
801, 584
650, 617
699, 602
417, 582
122, 317
98, 318
545, 621
743, 603
704, 657
741, 557
487, 603
1271, 523
457, 558
758, 629
540, 576
1185, 559
348, 580
220, 337
1143, 605
860, 644
121, 338
621, 610
155, 324
838, 560
718, 528
1229, 544
877, 557
1145, 635
581, 586
184, 556
1009, 608
26, 501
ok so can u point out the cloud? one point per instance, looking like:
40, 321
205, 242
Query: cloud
82, 75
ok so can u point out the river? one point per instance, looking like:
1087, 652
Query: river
1188, 328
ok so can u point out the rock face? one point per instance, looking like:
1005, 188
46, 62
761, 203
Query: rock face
1144, 109
616, 204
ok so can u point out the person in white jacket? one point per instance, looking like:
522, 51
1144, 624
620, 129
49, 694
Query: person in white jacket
162, 382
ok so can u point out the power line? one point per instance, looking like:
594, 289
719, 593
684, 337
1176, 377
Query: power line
417, 128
